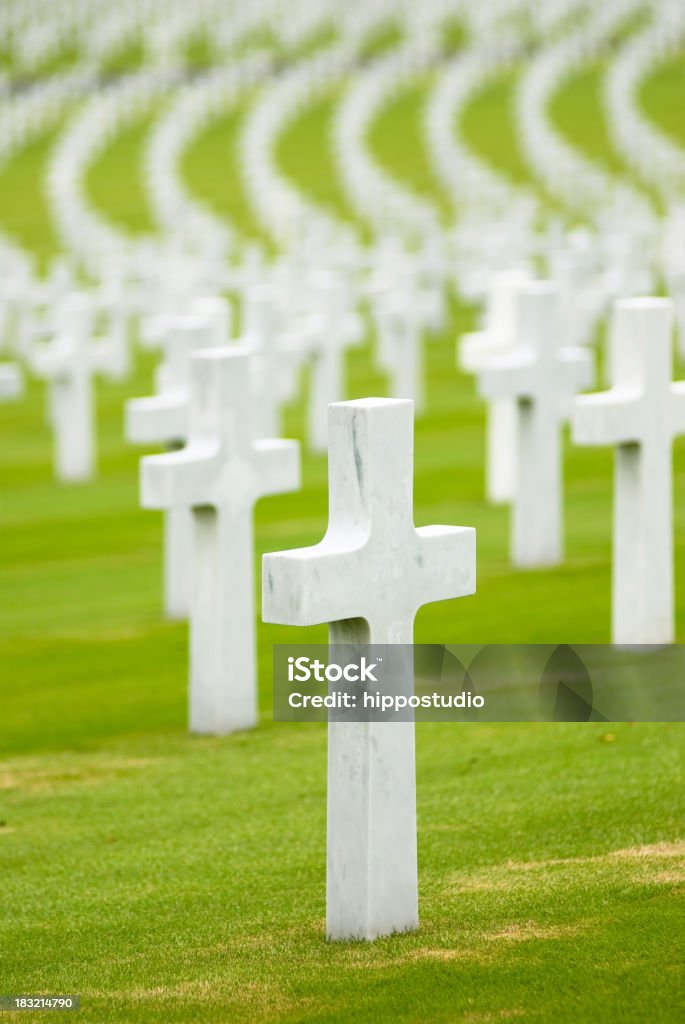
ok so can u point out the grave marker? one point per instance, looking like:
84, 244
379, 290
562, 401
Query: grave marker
368, 578
219, 475
474, 351
542, 378
164, 419
640, 416
68, 363
337, 328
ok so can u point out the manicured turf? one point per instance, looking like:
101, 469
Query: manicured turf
176, 878
578, 111
488, 125
24, 209
396, 139
115, 182
661, 95
212, 169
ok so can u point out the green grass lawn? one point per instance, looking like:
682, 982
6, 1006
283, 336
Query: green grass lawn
396, 138
115, 181
212, 169
174, 878
661, 95
24, 210
578, 111
488, 125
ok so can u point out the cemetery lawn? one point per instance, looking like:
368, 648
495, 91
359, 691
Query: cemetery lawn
176, 878
173, 878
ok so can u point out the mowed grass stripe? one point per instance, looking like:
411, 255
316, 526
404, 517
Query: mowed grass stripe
661, 96
212, 169
397, 139
115, 179
24, 209
488, 124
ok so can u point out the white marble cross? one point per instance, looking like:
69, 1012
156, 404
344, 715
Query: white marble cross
219, 475
164, 419
640, 415
337, 328
474, 350
271, 365
400, 348
543, 378
367, 578
68, 363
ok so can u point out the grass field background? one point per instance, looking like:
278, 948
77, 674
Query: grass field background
177, 878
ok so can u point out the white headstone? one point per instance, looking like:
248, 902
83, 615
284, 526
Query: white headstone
401, 345
542, 377
271, 364
640, 415
164, 419
337, 328
367, 578
114, 308
68, 363
219, 475
474, 350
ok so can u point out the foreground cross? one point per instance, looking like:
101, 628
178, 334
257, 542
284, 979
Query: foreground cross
543, 378
640, 416
220, 474
164, 419
367, 578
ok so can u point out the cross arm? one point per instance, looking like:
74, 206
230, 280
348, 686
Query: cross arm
49, 359
309, 586
446, 556
277, 464
605, 418
158, 419
509, 375
476, 350
181, 479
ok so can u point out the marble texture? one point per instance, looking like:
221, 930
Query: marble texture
639, 416
367, 578
219, 475
542, 378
